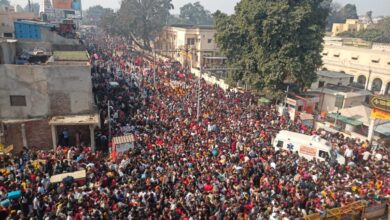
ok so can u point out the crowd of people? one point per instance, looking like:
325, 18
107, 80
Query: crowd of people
222, 166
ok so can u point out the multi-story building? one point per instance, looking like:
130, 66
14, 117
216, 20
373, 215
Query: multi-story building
7, 19
191, 45
350, 25
369, 63
51, 92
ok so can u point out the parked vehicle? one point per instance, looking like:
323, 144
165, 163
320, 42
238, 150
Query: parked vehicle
309, 147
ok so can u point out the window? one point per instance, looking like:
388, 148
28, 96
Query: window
209, 41
18, 100
354, 58
8, 35
280, 144
190, 41
336, 55
323, 154
375, 61
321, 84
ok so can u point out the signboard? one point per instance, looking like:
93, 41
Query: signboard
76, 175
339, 101
62, 4
381, 103
308, 151
379, 114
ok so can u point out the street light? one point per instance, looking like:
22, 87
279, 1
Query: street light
199, 90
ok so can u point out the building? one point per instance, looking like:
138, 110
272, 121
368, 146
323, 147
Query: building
369, 63
191, 45
7, 19
45, 32
43, 97
331, 77
57, 10
334, 97
350, 25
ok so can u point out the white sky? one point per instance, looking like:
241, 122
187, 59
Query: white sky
379, 7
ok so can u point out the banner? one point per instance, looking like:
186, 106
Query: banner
379, 114
62, 4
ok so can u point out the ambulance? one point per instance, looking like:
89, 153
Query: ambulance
309, 147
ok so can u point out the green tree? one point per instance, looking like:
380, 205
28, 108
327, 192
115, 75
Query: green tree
195, 14
143, 19
4, 2
273, 41
94, 14
19, 8
34, 8
338, 14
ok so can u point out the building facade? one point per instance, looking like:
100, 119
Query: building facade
350, 25
7, 19
369, 64
33, 94
191, 45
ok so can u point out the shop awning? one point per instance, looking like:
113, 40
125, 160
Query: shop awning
383, 129
347, 120
75, 120
264, 100
123, 139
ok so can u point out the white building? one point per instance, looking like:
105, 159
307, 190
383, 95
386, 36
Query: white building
369, 63
189, 44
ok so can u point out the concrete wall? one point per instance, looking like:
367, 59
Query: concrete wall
54, 38
38, 134
211, 79
49, 90
7, 52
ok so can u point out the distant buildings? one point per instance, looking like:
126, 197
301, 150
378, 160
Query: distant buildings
192, 45
58, 10
350, 25
7, 18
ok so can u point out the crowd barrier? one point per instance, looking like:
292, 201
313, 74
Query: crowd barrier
354, 211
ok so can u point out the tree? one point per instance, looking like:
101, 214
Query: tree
195, 14
143, 19
340, 15
19, 8
34, 8
369, 17
94, 14
273, 41
348, 12
4, 2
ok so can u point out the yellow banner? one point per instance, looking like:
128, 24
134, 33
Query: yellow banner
379, 114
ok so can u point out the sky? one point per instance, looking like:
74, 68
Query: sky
379, 7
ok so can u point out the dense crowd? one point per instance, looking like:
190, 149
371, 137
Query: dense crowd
220, 167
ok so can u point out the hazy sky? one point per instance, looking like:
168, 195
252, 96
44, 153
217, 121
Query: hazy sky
379, 7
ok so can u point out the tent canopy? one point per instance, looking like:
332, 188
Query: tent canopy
347, 120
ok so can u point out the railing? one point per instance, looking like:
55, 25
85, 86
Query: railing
353, 211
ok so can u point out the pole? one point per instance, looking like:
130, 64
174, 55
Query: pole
109, 120
337, 117
371, 130
199, 89
154, 68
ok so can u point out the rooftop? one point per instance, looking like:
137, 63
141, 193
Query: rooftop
189, 26
92, 119
332, 74
70, 56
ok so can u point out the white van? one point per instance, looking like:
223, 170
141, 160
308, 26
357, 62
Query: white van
309, 147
